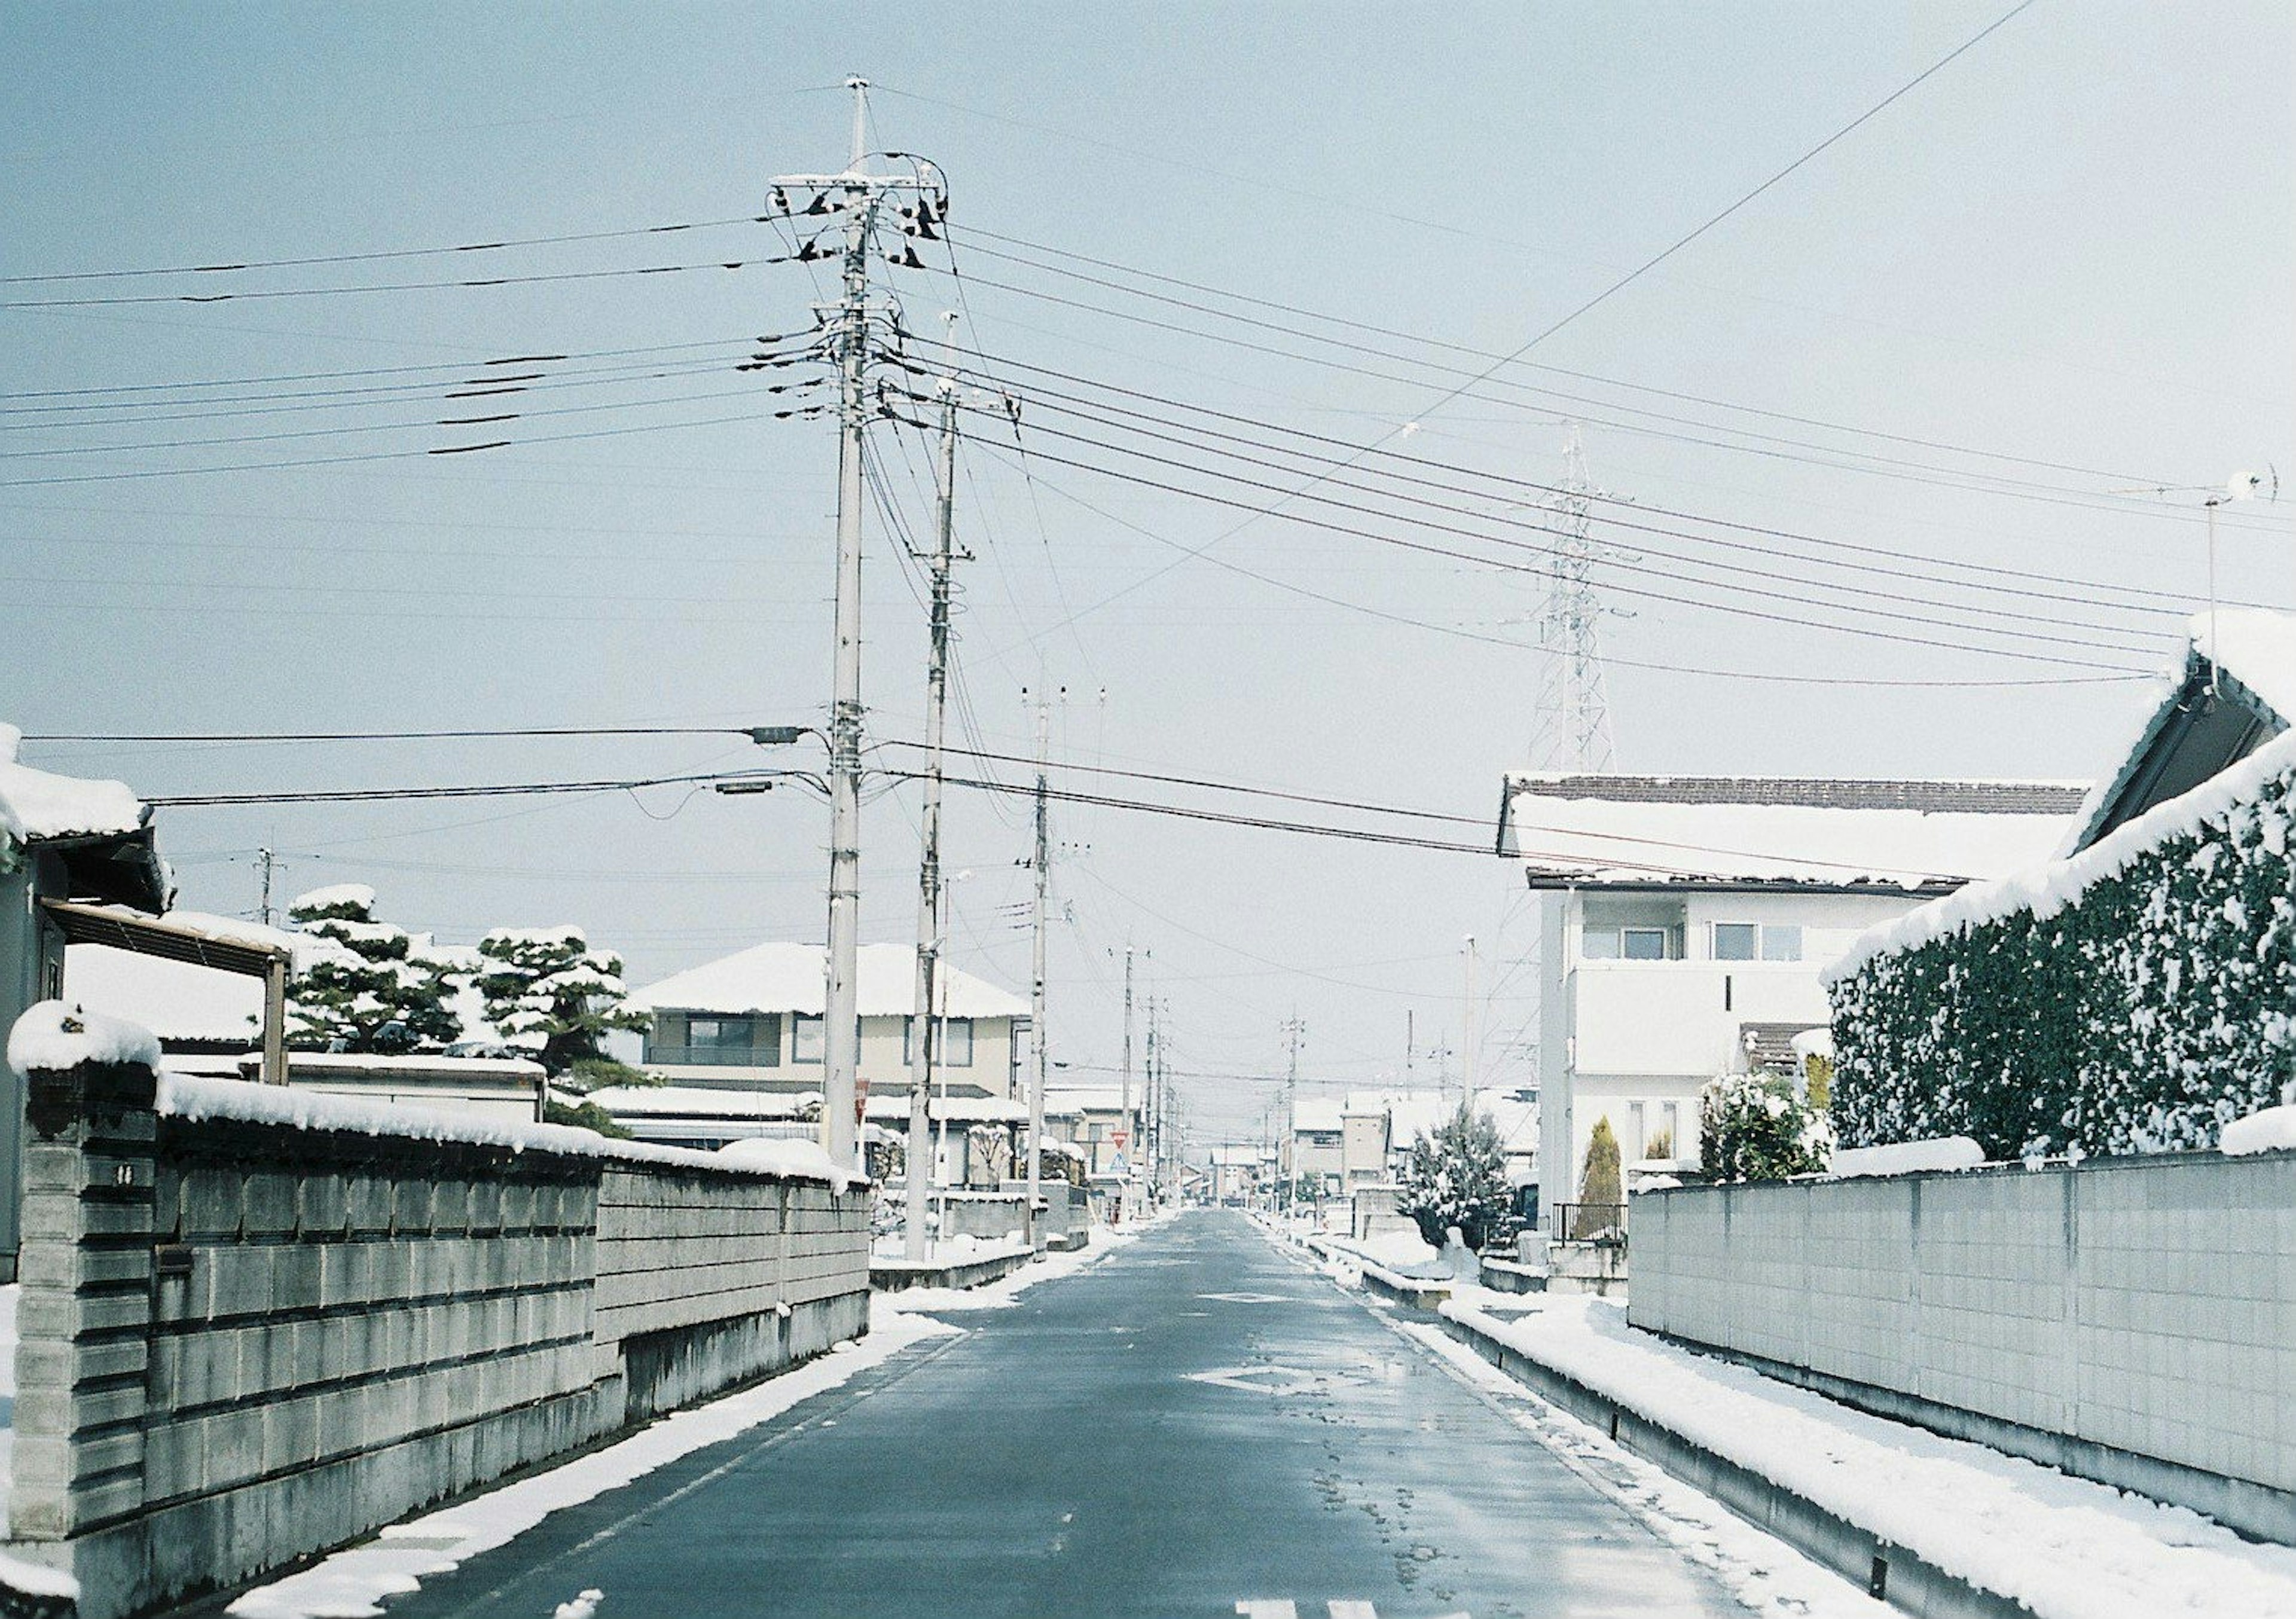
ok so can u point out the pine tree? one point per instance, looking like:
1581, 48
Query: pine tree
1599, 1192
548, 991
1458, 1177
364, 986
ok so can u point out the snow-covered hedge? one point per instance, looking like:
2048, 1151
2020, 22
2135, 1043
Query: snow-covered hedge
2134, 998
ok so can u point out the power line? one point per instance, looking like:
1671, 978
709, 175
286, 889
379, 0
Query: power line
390, 253
380, 736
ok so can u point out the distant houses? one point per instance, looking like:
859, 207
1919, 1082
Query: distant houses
1684, 923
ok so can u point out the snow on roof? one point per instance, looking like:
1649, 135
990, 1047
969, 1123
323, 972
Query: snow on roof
1317, 1113
431, 1064
37, 805
177, 1000
53, 1036
1638, 830
357, 894
792, 978
2257, 647
2046, 889
714, 1102
1092, 1098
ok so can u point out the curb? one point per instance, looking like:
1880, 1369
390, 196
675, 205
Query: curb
1902, 1579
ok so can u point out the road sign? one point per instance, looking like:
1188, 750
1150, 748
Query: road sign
1119, 1137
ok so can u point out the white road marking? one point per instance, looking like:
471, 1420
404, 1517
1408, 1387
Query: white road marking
1247, 1298
1267, 1607
1348, 1608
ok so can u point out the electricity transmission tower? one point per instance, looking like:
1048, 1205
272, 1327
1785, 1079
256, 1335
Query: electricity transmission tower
1574, 720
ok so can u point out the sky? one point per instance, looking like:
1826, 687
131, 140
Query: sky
2023, 318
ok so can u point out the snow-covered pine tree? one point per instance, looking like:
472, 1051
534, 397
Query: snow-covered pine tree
548, 991
364, 986
1458, 1177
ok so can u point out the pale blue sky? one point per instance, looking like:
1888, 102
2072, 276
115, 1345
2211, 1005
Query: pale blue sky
2073, 244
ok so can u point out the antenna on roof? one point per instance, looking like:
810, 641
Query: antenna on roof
2240, 486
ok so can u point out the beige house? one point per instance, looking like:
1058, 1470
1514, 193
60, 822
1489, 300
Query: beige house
753, 1022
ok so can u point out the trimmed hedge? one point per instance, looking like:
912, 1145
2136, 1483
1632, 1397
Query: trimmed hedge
2141, 1013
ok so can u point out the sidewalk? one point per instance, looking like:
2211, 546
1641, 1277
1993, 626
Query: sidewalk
2004, 1529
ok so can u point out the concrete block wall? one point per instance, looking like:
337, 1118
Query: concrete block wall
2132, 1320
243, 1340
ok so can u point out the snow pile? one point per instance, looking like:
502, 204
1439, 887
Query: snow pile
2274, 1130
52, 1036
37, 805
354, 1583
798, 1160
1907, 1158
2065, 1548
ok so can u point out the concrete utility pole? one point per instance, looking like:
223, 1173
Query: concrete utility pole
858, 197
1289, 1160
1042, 861
1467, 1032
923, 1047
1131, 1145
263, 905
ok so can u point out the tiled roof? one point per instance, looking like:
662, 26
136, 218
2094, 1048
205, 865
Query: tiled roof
1812, 792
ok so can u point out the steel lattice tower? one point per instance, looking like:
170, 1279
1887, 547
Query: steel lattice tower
1573, 733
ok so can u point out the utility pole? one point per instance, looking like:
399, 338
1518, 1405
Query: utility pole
263, 906
860, 197
1467, 1032
1289, 1161
1131, 1144
1042, 861
927, 1036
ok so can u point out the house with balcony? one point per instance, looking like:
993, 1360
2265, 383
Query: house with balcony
753, 1022
1685, 920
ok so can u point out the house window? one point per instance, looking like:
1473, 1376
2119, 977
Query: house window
711, 1040
955, 1048
1769, 942
1643, 944
1600, 945
805, 1039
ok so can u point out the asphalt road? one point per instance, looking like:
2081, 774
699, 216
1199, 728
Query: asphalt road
1196, 1423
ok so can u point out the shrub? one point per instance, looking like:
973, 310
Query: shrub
1754, 1128
584, 1115
1600, 1187
2134, 999
1458, 1177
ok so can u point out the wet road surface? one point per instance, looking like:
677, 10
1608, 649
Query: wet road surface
1197, 1425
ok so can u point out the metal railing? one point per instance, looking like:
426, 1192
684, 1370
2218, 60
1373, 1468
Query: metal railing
1590, 1222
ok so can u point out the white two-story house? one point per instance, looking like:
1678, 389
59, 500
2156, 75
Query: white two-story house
1685, 920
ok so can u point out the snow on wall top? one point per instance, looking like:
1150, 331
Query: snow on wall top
195, 1098
1641, 829
712, 1102
2044, 890
2257, 647
52, 1036
36, 804
792, 978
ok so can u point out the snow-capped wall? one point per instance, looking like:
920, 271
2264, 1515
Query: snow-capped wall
2136, 997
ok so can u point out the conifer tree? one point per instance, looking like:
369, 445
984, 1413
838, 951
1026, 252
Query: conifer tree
548, 991
1458, 1177
364, 986
1599, 1189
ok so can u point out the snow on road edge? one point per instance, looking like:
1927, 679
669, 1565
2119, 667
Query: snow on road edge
2064, 1546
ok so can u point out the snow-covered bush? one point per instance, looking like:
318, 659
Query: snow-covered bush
1754, 1128
548, 993
1458, 1177
364, 986
2136, 998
